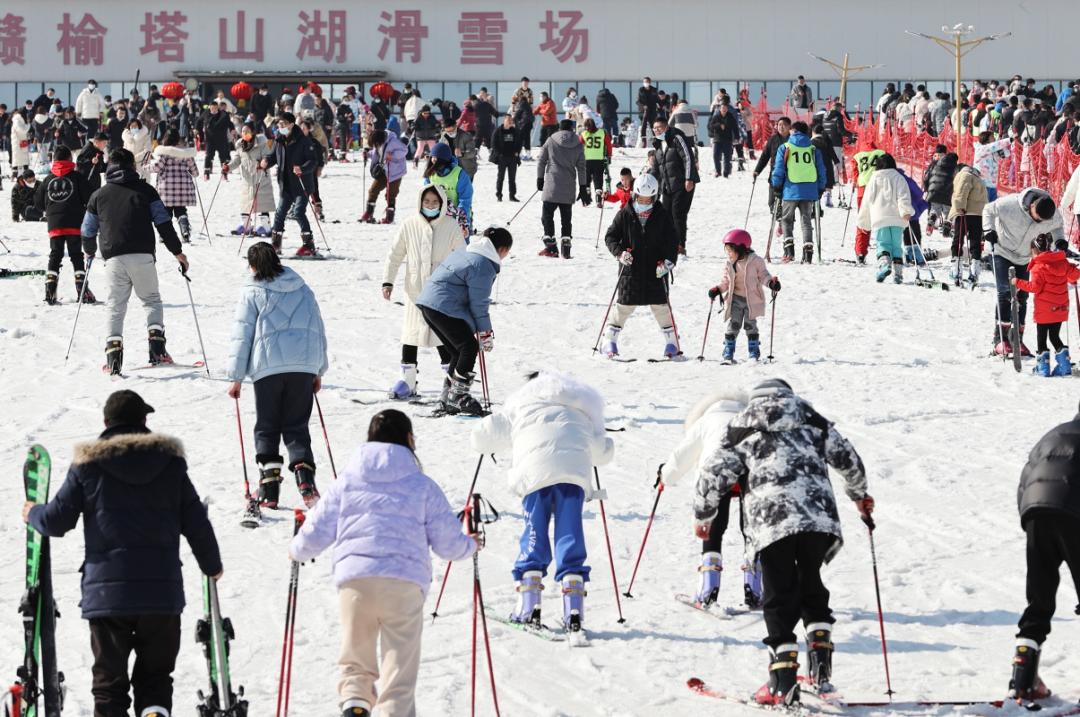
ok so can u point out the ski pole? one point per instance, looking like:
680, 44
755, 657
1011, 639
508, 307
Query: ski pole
772, 231
243, 453
78, 309
705, 338
1076, 293
599, 225
210, 206
817, 230
881, 616
198, 331
959, 239
600, 335
997, 305
847, 218
251, 211
442, 589
285, 672
772, 327
483, 374
607, 539
648, 527
519, 211
326, 437
749, 204
5, 246
202, 212
472, 515
671, 313
314, 213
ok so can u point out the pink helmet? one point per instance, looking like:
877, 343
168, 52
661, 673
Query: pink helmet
738, 237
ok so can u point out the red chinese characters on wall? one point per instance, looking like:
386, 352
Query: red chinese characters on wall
404, 30
482, 37
82, 43
563, 38
242, 51
162, 34
322, 38
12, 40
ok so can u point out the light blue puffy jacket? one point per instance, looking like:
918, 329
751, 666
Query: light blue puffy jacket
461, 285
278, 329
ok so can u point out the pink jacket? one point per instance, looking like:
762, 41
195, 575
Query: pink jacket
757, 276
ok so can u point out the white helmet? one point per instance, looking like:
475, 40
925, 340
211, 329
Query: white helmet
645, 185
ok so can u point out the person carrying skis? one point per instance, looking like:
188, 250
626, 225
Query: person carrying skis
176, 169
443, 169
1051, 273
562, 159
554, 427
778, 451
1048, 500
386, 164
382, 517
258, 195
644, 240
132, 490
61, 197
296, 159
704, 429
454, 303
799, 178
886, 210
742, 293
424, 241
279, 341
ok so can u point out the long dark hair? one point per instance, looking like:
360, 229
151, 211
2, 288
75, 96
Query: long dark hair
390, 426
265, 261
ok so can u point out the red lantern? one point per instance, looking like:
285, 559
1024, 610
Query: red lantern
242, 91
383, 90
313, 88
172, 90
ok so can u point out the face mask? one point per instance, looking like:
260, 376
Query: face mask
646, 85
451, 135
642, 208
430, 213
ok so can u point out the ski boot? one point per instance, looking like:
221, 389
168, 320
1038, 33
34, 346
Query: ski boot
355, 708
973, 274
527, 611
931, 222
185, 228
783, 685
1002, 347
154, 711
513, 198
860, 259
709, 589
206, 175
158, 354
573, 591
444, 395
550, 248
599, 199
671, 343
1042, 364
1024, 351
305, 483
243, 229
789, 250
82, 290
828, 198
263, 230
369, 214
564, 247
946, 229
753, 348
275, 241
1025, 683
406, 386
388, 217
898, 272
819, 652
729, 350
752, 584
1063, 367
270, 482
752, 157
460, 400
51, 280
114, 354
610, 348
884, 267
742, 164
808, 252
307, 246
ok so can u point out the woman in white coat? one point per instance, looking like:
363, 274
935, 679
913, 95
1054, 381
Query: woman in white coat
258, 195
705, 429
554, 426
137, 141
425, 239
20, 143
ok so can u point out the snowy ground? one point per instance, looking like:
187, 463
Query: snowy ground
943, 430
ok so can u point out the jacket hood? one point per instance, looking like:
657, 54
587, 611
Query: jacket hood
566, 138
60, 167
115, 174
484, 248
382, 463
1054, 261
132, 455
730, 399
420, 199
175, 152
781, 410
563, 390
283, 283
799, 139
972, 170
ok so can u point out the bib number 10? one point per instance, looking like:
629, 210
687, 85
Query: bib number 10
802, 156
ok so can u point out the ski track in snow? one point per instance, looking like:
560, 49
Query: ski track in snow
943, 430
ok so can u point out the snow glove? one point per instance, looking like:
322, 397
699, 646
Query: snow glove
774, 284
991, 236
865, 506
663, 268
626, 258
539, 184
487, 340
583, 195
714, 293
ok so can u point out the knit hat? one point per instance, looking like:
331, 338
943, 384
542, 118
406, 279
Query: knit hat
1045, 208
770, 387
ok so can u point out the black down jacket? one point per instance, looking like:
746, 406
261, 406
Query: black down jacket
1051, 479
938, 179
649, 245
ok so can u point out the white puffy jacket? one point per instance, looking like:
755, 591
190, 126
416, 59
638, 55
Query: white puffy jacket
886, 202
89, 105
705, 429
555, 426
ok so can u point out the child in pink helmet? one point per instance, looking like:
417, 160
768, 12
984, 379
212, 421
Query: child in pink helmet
742, 293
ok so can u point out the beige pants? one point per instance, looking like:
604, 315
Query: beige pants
622, 312
390, 610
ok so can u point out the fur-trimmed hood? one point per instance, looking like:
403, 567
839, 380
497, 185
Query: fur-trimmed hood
730, 399
561, 389
174, 152
129, 454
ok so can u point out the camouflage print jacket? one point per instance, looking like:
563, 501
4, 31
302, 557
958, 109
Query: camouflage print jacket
778, 450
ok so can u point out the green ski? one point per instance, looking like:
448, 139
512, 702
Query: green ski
36, 471
215, 633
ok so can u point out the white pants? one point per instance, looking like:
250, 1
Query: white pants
622, 312
124, 273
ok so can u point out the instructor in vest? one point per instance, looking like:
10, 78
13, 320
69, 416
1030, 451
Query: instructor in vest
865, 164
799, 173
597, 143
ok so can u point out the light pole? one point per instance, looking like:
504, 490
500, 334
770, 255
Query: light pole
843, 70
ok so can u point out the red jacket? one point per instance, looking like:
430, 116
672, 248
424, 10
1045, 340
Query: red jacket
1051, 273
548, 114
620, 195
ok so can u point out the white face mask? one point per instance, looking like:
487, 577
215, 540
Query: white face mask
646, 85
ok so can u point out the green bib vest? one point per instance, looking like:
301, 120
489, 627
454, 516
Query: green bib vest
800, 165
448, 183
865, 163
594, 144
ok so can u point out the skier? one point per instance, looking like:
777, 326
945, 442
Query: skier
345, 116
69, 131
424, 241
382, 518
938, 186
426, 133
886, 209
644, 240
741, 293
92, 160
132, 490
624, 190
1049, 503
597, 145
137, 141
216, 129
505, 152
826, 151
454, 303
1051, 273
386, 164
799, 178
562, 158
554, 428
965, 212
676, 169
444, 170
607, 104
704, 430
314, 131
295, 157
122, 211
258, 195
22, 196
724, 133
863, 165
768, 157
1010, 224
279, 341
464, 146
61, 197
176, 169
778, 451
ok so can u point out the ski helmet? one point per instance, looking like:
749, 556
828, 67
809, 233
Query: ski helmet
738, 237
645, 185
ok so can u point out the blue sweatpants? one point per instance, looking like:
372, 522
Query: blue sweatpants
890, 240
564, 501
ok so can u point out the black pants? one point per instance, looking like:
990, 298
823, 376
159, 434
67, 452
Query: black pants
678, 204
92, 126
222, 151
177, 211
546, 130
1001, 276
458, 340
791, 582
155, 640
282, 411
547, 218
411, 354
1052, 539
968, 226
1051, 331
594, 170
73, 244
507, 167
526, 137
715, 542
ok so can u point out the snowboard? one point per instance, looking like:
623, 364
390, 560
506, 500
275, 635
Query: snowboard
215, 633
1014, 327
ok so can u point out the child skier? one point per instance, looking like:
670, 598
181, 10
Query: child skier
22, 195
383, 517
886, 209
554, 425
258, 195
704, 430
176, 169
424, 241
741, 293
61, 197
624, 190
1051, 273
443, 169
387, 167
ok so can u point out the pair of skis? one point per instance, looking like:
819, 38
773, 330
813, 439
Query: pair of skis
214, 633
